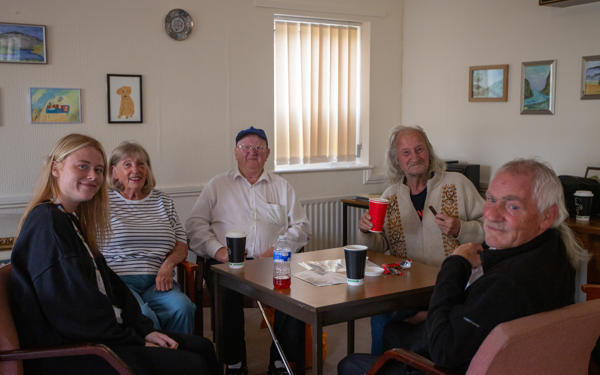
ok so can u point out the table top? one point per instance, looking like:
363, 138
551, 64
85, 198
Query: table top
257, 275
593, 227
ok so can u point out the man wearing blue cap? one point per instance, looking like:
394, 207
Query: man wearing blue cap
263, 205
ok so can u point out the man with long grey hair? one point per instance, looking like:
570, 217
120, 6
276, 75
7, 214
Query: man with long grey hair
411, 229
528, 259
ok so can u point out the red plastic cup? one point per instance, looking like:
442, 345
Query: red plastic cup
377, 209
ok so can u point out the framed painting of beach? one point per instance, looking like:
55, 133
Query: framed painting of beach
22, 43
538, 87
488, 83
55, 106
590, 77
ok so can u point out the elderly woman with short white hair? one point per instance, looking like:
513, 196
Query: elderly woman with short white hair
147, 240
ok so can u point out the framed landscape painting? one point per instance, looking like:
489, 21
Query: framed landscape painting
590, 77
488, 83
55, 106
22, 43
537, 87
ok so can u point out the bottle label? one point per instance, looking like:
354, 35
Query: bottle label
281, 256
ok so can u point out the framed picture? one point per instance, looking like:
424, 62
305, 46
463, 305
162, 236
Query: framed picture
537, 87
488, 83
590, 77
593, 172
55, 106
23, 43
124, 93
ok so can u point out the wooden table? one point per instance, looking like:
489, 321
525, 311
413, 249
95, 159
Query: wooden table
322, 306
350, 202
589, 234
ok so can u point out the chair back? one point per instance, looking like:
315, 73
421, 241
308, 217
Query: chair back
9, 340
553, 342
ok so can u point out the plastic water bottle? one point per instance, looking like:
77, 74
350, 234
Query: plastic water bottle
282, 271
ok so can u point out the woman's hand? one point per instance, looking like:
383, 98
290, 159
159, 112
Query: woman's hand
164, 278
448, 224
161, 340
364, 224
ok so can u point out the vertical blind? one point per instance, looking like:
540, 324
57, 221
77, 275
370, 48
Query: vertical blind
316, 92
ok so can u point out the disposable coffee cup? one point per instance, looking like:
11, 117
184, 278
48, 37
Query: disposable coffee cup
583, 205
236, 248
377, 209
356, 258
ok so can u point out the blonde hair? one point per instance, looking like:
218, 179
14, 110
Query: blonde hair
395, 173
129, 148
547, 190
93, 214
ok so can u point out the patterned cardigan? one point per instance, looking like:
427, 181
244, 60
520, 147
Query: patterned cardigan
406, 236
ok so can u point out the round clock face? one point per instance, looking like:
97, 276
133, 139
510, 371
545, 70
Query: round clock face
178, 24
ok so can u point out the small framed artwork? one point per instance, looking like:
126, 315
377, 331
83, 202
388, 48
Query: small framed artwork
21, 43
488, 83
593, 173
590, 77
55, 105
537, 87
124, 93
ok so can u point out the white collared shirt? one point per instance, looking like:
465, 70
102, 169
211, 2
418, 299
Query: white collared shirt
264, 211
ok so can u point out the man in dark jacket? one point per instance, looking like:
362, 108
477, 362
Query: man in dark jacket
526, 266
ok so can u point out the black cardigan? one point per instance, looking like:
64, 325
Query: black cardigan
520, 281
54, 292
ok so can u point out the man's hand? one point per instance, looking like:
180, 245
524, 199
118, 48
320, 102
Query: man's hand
156, 338
417, 318
471, 252
221, 255
364, 224
448, 224
268, 253
164, 278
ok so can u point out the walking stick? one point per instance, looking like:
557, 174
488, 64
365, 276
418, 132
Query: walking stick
275, 341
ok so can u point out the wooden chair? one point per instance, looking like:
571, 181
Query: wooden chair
11, 356
552, 342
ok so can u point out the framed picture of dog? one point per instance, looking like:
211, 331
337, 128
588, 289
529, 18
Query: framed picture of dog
124, 92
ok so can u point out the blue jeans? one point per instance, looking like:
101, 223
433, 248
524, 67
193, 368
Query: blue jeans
170, 311
378, 323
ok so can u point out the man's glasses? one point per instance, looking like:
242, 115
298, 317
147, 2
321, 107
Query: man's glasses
247, 148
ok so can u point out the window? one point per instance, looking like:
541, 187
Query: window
317, 92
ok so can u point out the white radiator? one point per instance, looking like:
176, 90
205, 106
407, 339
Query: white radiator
325, 217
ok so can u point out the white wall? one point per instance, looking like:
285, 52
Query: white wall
196, 93
443, 38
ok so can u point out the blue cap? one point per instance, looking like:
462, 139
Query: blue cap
250, 131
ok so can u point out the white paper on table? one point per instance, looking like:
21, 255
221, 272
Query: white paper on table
329, 278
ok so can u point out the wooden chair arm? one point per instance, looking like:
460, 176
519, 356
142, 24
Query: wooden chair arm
188, 270
410, 359
591, 290
99, 350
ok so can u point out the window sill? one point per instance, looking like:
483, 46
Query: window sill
321, 167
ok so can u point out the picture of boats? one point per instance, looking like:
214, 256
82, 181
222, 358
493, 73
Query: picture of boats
55, 105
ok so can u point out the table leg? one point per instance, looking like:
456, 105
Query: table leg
344, 224
350, 337
317, 348
218, 309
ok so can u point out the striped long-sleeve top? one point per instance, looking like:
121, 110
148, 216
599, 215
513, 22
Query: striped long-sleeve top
144, 232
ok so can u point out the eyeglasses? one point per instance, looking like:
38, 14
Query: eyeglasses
247, 148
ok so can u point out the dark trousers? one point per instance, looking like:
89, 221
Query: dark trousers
195, 355
288, 330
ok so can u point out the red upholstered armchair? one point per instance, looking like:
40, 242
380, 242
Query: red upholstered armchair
552, 342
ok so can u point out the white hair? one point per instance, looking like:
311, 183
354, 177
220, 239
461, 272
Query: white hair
548, 191
395, 173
